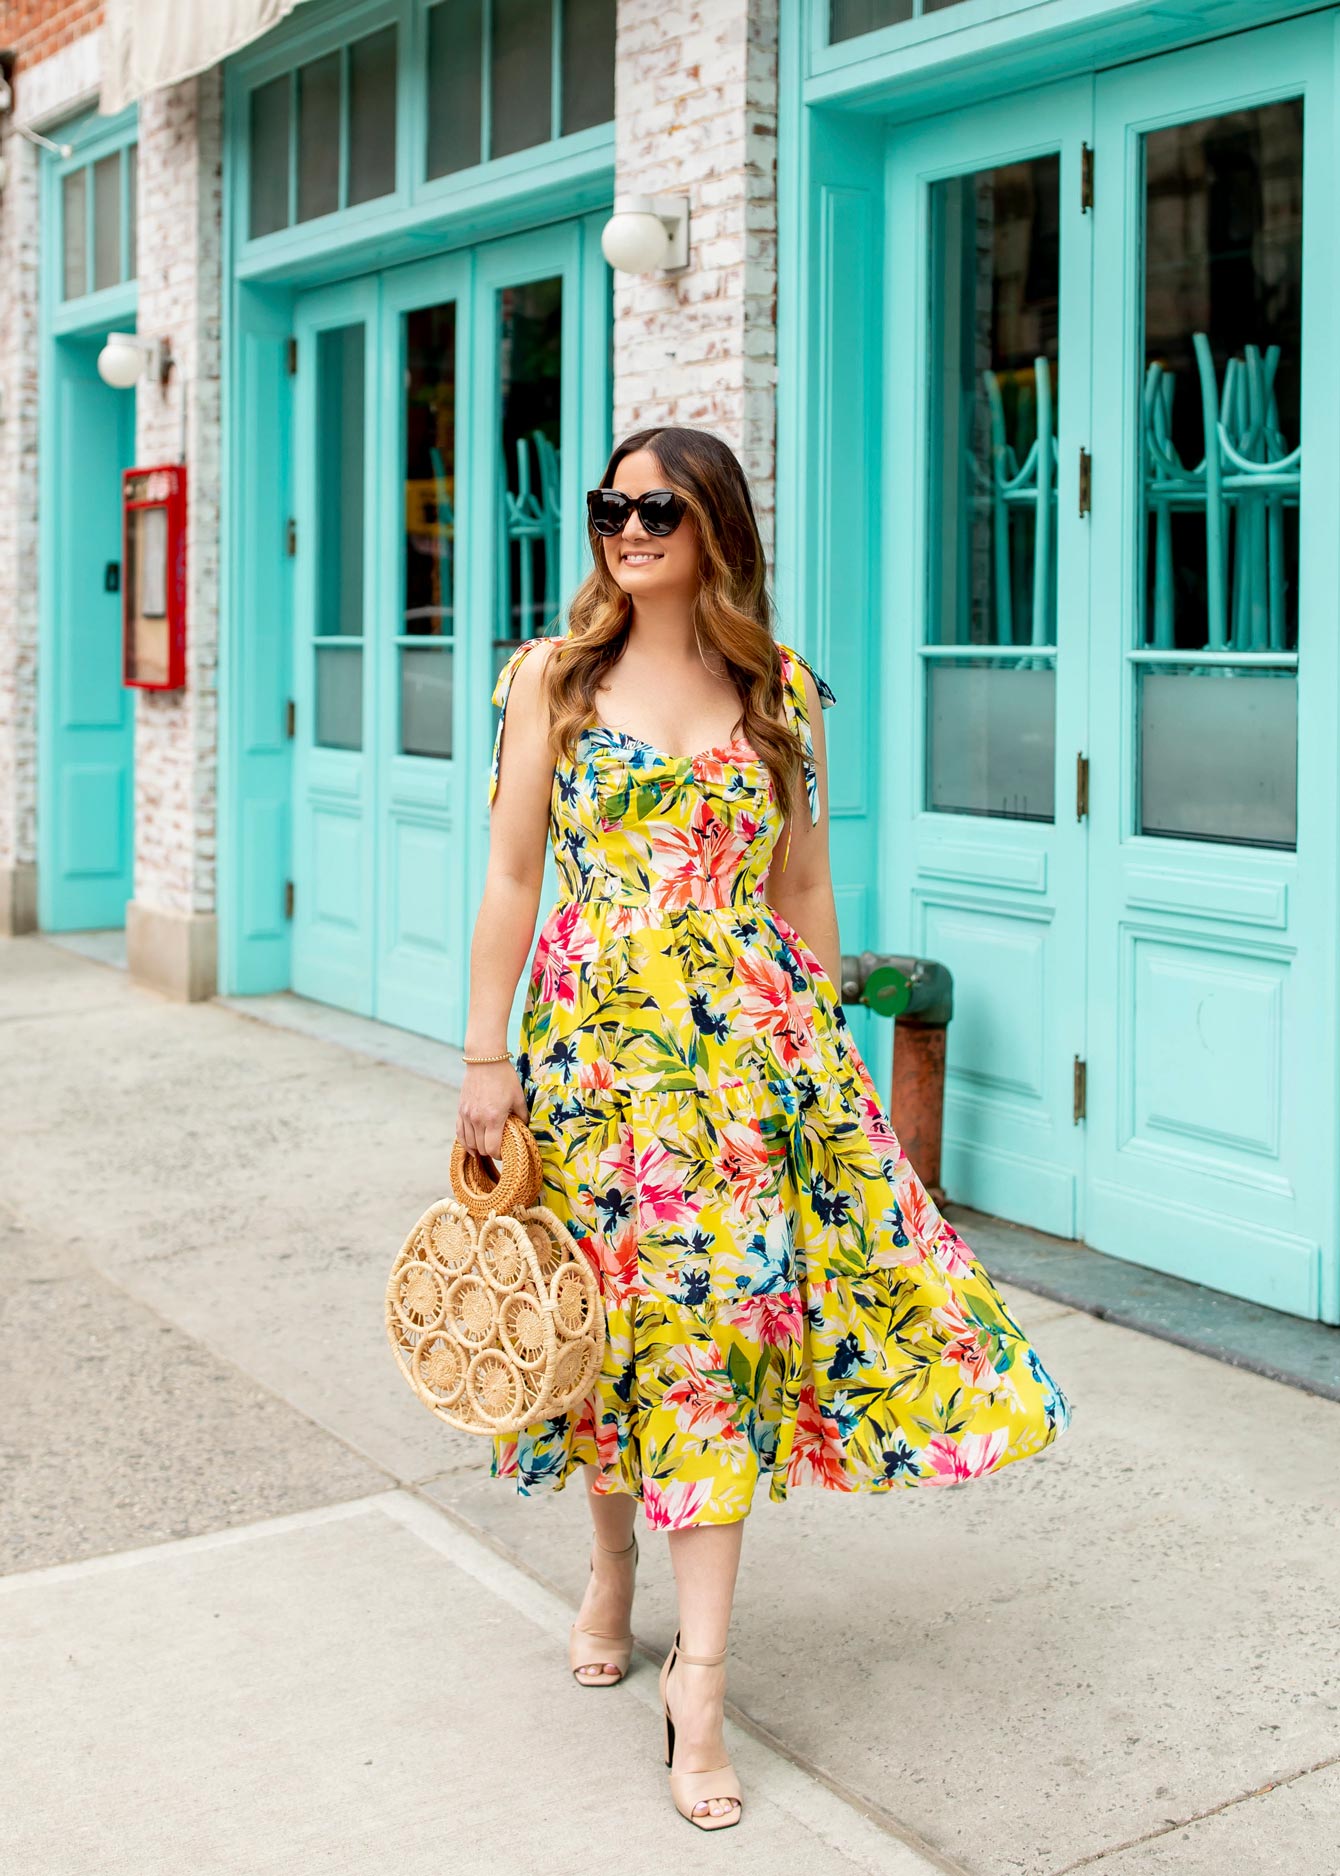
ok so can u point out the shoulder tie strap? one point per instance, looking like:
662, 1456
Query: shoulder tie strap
797, 711
500, 692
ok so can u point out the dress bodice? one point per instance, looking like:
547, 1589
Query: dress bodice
632, 824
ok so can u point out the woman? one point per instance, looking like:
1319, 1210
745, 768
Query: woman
783, 1300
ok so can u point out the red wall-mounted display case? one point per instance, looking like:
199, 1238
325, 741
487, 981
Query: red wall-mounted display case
153, 614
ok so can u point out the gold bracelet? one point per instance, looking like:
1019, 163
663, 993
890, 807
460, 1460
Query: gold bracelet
474, 1061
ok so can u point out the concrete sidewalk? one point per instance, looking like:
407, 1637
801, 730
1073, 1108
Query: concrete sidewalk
266, 1613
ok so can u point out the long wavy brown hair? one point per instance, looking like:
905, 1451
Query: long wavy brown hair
731, 611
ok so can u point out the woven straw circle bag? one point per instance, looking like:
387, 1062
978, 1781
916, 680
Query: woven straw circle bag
493, 1313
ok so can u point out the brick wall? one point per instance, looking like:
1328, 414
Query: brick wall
180, 184
696, 115
36, 28
18, 504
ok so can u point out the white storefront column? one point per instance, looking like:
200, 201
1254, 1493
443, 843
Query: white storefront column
19, 251
696, 115
170, 923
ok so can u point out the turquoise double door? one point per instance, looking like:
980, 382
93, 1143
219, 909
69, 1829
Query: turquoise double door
446, 415
1115, 389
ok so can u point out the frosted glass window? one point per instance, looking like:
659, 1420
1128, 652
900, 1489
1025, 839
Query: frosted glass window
425, 700
990, 740
455, 85
372, 64
74, 234
1219, 755
269, 157
520, 95
339, 696
319, 137
588, 63
107, 221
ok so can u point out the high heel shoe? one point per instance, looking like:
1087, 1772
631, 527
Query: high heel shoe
690, 1788
617, 1656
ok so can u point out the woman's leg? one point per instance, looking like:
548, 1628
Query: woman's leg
609, 1590
706, 1558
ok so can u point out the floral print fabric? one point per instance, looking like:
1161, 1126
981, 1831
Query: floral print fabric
784, 1302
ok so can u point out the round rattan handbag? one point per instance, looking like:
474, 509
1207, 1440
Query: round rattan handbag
493, 1313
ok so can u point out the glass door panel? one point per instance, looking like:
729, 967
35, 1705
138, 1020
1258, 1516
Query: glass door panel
991, 578
528, 522
427, 642
1216, 690
339, 469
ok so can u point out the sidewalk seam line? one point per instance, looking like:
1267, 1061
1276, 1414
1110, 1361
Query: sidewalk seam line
1198, 1817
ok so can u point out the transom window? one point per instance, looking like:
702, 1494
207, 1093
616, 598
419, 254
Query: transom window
849, 19
491, 78
97, 203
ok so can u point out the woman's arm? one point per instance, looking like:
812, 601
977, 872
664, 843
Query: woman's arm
505, 922
802, 890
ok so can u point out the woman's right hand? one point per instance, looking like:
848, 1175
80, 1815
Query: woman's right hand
489, 1093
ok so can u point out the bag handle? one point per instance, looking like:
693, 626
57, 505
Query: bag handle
482, 1187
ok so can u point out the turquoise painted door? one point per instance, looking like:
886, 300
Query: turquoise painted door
446, 414
337, 465
1212, 912
988, 365
86, 823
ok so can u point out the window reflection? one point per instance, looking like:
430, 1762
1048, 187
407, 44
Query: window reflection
530, 338
430, 470
427, 645
1223, 338
992, 524
1222, 468
994, 326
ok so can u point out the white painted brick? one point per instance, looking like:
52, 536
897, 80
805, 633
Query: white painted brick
19, 251
176, 741
696, 114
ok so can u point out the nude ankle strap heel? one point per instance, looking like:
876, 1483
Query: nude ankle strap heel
690, 1788
581, 1653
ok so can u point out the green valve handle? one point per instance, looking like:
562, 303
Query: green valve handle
887, 990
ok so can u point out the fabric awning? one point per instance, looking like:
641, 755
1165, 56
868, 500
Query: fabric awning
148, 43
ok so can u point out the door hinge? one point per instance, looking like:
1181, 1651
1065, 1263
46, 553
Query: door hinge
1085, 178
291, 357
288, 898
1085, 483
291, 538
1081, 1077
290, 717
1081, 786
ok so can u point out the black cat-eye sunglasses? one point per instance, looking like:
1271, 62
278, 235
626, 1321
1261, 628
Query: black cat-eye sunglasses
659, 510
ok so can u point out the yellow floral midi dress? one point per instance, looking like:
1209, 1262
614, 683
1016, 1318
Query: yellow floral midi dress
784, 1301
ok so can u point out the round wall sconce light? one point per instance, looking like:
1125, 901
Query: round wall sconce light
647, 232
122, 360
